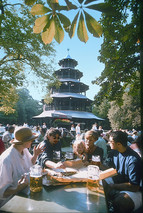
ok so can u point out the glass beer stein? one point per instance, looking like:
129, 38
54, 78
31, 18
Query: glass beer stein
93, 178
96, 160
69, 156
36, 178
56, 156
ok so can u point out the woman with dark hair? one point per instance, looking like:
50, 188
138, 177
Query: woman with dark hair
51, 144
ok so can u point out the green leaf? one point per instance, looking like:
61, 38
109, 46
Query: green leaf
93, 26
40, 23
49, 34
73, 26
30, 2
80, 1
61, 7
39, 9
81, 30
89, 1
103, 7
64, 20
70, 6
59, 32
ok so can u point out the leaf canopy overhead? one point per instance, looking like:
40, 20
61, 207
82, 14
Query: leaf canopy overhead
22, 53
82, 22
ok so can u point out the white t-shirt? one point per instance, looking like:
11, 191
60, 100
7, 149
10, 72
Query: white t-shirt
12, 166
77, 129
7, 136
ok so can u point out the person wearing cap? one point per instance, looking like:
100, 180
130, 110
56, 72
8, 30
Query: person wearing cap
16, 161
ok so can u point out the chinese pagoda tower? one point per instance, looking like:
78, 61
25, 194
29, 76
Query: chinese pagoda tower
69, 100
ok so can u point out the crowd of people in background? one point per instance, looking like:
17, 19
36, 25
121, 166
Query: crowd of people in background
120, 149
134, 136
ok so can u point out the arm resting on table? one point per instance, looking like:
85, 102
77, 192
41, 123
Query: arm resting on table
9, 191
125, 186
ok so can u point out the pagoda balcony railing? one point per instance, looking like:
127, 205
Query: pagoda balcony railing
69, 76
87, 109
69, 90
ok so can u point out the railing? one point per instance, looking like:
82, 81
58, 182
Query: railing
67, 107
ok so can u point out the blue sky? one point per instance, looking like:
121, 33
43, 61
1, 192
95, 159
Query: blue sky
85, 53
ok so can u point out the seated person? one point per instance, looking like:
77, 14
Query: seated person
79, 150
8, 136
123, 190
16, 161
2, 147
51, 143
137, 145
90, 148
101, 143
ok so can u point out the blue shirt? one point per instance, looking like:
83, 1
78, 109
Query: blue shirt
128, 166
48, 152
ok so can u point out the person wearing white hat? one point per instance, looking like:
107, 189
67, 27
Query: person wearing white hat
16, 161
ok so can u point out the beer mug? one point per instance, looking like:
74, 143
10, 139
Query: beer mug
35, 178
69, 156
96, 160
93, 177
56, 156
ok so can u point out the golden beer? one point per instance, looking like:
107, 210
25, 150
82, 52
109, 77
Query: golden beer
35, 183
93, 185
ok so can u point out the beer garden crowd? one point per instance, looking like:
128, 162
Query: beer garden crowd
100, 142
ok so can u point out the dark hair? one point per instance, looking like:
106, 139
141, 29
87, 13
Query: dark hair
119, 136
138, 141
10, 128
52, 132
99, 132
43, 130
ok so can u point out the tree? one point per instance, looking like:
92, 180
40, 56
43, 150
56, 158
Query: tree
120, 52
126, 116
101, 110
21, 52
25, 108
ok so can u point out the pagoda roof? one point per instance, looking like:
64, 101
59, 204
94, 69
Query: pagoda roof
68, 57
53, 114
69, 95
68, 114
80, 114
68, 68
75, 81
70, 79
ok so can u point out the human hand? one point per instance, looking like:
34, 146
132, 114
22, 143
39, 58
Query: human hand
24, 179
86, 163
59, 165
22, 183
37, 150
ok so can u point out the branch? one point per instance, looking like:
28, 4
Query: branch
14, 59
12, 4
